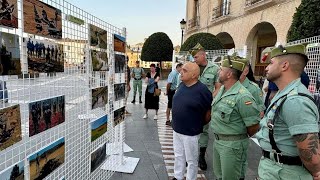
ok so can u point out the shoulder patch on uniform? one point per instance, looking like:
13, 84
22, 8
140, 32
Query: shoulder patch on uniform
247, 102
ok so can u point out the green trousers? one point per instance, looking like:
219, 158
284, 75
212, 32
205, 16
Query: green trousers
203, 140
269, 169
137, 84
229, 157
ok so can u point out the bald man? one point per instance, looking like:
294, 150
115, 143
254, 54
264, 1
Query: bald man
191, 107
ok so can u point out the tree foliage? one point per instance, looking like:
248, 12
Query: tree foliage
207, 40
306, 21
158, 47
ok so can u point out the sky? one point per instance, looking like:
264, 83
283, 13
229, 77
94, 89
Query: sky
140, 17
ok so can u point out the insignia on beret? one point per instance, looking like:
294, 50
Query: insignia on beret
293, 49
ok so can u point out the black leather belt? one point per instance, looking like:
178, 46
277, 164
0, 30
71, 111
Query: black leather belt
137, 79
288, 160
231, 137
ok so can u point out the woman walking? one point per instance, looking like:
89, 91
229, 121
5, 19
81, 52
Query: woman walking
151, 100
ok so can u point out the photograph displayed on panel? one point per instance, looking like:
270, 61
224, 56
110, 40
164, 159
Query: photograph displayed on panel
119, 63
45, 114
99, 60
119, 91
15, 172
44, 56
10, 126
99, 127
9, 13
119, 43
9, 54
97, 157
98, 37
42, 19
99, 97
118, 116
46, 160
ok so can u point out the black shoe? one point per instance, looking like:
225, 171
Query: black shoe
202, 160
174, 179
133, 101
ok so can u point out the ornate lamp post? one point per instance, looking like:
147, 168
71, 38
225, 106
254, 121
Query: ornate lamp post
183, 26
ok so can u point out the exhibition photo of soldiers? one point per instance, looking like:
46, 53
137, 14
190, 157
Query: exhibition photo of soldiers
46, 114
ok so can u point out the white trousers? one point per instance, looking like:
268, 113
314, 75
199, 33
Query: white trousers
185, 150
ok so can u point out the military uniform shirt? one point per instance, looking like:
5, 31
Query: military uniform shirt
233, 111
210, 75
137, 72
256, 92
298, 115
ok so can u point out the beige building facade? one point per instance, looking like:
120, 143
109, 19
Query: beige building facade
254, 24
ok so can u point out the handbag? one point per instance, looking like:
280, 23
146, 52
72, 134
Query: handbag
157, 92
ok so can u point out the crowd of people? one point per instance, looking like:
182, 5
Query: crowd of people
226, 100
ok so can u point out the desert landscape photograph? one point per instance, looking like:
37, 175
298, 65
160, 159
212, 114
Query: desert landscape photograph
46, 160
10, 126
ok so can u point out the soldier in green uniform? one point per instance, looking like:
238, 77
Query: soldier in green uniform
289, 130
253, 88
137, 74
234, 118
209, 77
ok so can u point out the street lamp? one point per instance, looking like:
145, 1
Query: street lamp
138, 53
183, 26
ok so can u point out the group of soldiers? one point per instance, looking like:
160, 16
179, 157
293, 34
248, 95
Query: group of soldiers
49, 111
287, 130
38, 50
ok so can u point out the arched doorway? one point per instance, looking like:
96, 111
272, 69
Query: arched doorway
226, 40
261, 36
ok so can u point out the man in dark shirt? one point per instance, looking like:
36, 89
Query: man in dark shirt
191, 108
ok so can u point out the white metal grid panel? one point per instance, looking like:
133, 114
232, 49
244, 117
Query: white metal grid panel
75, 83
212, 55
313, 53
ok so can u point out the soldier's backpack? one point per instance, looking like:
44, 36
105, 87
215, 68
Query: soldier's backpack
271, 123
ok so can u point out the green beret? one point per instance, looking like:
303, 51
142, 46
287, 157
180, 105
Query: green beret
193, 51
294, 49
237, 63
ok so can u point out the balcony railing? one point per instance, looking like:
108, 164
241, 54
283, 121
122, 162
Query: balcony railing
252, 2
256, 4
222, 10
193, 22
